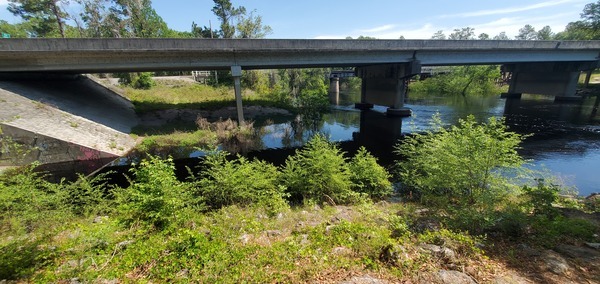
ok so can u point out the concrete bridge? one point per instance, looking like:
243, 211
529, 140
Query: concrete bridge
546, 67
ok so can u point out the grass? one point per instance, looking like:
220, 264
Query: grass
231, 245
193, 96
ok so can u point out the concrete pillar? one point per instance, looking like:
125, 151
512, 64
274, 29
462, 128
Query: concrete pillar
334, 90
363, 105
385, 85
236, 72
588, 76
558, 79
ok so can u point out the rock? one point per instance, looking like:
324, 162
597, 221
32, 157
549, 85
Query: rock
425, 224
578, 252
100, 219
74, 281
273, 233
364, 279
593, 245
510, 278
304, 240
446, 254
183, 273
528, 251
341, 251
124, 244
555, 263
454, 277
245, 238
422, 211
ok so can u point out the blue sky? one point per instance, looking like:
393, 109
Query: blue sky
385, 19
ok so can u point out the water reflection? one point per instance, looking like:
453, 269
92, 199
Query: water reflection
566, 137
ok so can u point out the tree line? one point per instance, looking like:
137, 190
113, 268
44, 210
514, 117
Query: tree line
587, 28
123, 19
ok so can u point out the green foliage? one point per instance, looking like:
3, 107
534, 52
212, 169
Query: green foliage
47, 17
461, 164
551, 232
26, 200
461, 80
368, 176
155, 196
137, 80
88, 196
541, 199
21, 258
588, 28
241, 182
318, 172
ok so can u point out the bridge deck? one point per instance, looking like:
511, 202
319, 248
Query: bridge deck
107, 55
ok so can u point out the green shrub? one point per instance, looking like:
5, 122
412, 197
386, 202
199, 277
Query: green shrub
551, 232
462, 164
88, 195
540, 199
241, 182
141, 80
368, 176
319, 172
28, 201
155, 196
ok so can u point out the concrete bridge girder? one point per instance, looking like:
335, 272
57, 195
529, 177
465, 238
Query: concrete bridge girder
558, 79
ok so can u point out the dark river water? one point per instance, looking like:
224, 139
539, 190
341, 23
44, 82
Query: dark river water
565, 140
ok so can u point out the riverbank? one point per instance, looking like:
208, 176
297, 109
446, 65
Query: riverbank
386, 242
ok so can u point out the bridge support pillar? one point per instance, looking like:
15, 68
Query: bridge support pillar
558, 79
334, 90
386, 84
236, 73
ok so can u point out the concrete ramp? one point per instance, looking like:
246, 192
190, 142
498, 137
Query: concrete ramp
64, 119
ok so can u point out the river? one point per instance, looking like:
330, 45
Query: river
565, 138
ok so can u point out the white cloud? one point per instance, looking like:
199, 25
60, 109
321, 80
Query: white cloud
511, 10
3, 2
378, 29
389, 31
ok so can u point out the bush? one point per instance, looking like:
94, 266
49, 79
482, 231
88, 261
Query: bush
241, 182
155, 196
88, 196
137, 80
369, 177
462, 164
540, 199
27, 201
319, 172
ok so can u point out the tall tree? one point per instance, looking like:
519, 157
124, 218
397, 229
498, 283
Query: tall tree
545, 33
438, 35
227, 13
204, 32
251, 26
483, 36
19, 30
142, 19
501, 36
588, 28
46, 16
527, 33
463, 34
